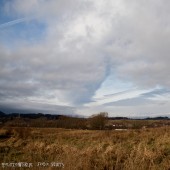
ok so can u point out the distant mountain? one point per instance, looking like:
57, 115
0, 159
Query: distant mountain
56, 116
2, 114
29, 115
158, 118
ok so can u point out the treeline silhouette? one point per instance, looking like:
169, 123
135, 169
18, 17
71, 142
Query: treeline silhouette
29, 115
97, 122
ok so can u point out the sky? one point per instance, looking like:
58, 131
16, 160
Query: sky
81, 57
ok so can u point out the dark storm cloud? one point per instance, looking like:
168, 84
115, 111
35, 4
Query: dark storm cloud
27, 107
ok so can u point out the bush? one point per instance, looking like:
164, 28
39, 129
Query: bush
98, 121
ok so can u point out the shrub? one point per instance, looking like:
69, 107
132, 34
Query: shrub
98, 121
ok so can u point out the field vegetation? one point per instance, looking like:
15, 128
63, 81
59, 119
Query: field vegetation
132, 149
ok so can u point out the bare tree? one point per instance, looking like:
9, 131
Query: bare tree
98, 121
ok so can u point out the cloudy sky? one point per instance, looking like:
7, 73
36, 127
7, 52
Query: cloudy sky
85, 56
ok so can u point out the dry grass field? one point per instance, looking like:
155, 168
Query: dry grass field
144, 149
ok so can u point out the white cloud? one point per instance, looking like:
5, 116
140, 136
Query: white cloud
85, 42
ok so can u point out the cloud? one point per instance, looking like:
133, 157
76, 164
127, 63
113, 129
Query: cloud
84, 42
143, 35
137, 97
33, 107
120, 96
10, 23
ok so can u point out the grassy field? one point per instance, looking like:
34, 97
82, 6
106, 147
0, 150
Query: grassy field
144, 149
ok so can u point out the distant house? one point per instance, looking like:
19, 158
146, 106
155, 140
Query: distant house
118, 126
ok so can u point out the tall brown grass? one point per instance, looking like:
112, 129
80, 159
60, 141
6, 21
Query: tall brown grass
144, 149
